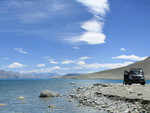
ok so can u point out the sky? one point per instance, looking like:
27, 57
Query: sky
72, 36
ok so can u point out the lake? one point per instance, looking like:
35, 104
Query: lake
30, 90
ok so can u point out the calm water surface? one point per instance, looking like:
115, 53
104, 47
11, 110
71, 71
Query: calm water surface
30, 89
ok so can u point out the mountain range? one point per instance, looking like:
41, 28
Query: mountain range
107, 74
117, 73
17, 75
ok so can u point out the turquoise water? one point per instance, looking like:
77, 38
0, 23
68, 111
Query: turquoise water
30, 89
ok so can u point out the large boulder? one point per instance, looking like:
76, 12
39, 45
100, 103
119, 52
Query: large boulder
48, 93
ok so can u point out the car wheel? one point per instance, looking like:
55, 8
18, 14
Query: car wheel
143, 83
130, 83
125, 83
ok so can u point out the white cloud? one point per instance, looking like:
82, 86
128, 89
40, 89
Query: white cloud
52, 61
41, 65
97, 7
43, 70
123, 49
21, 50
81, 63
93, 34
93, 28
91, 38
107, 65
16, 65
84, 65
130, 57
67, 62
78, 61
84, 58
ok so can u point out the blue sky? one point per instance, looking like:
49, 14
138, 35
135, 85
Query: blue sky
72, 36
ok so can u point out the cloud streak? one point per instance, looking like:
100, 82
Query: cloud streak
31, 11
16, 65
40, 65
21, 50
99, 65
130, 57
84, 58
52, 61
96, 7
123, 49
43, 70
68, 62
93, 29
80, 60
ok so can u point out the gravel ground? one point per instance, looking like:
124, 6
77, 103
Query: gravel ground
114, 98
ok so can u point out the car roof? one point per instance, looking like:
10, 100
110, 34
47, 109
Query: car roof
136, 69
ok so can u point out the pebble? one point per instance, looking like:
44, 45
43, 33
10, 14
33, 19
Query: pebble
101, 97
2, 105
21, 98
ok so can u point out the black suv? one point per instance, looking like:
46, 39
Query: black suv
135, 75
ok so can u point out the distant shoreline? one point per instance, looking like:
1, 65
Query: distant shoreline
95, 79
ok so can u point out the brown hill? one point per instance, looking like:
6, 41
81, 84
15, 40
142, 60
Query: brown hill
118, 72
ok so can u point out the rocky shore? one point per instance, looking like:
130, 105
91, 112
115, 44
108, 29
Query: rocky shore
114, 98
